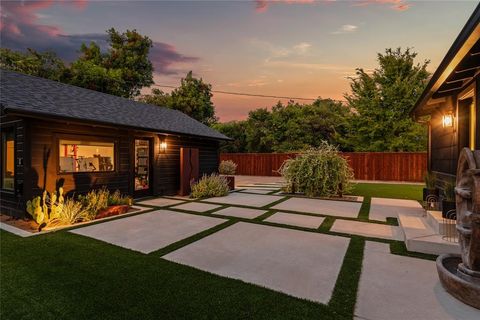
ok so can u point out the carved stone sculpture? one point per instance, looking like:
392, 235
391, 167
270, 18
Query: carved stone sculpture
460, 275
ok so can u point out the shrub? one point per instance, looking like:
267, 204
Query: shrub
72, 212
318, 172
449, 191
117, 198
210, 186
227, 167
95, 200
430, 179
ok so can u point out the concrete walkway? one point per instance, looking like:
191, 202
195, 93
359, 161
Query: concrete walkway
302, 264
398, 288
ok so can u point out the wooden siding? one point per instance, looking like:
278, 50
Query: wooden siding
11, 200
382, 166
40, 157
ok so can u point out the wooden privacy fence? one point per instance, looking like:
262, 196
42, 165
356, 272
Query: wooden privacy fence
381, 166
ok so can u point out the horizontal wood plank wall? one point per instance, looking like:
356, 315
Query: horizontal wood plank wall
381, 166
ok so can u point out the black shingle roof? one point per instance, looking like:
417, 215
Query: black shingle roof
28, 94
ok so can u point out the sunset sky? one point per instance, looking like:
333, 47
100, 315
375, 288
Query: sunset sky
283, 48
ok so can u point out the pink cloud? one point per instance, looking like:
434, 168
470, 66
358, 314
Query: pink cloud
20, 29
262, 5
398, 5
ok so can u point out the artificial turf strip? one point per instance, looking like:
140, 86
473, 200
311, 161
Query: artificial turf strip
67, 276
345, 293
177, 245
388, 190
365, 209
399, 248
326, 224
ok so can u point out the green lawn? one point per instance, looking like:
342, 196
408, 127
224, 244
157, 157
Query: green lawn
66, 276
388, 190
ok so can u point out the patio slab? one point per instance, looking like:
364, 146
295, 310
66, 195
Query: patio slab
149, 231
244, 199
298, 220
381, 208
325, 207
397, 288
240, 212
298, 263
366, 229
197, 206
160, 202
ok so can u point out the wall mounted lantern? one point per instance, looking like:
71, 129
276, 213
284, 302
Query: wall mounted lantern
163, 146
447, 120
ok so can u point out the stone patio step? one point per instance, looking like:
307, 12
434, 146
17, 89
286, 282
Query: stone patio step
421, 237
439, 224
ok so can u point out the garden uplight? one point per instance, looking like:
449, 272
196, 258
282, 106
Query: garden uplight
447, 120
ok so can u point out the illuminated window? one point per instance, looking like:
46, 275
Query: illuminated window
8, 160
86, 156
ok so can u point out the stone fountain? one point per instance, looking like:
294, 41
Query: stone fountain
460, 274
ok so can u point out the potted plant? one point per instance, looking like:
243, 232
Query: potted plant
448, 201
227, 169
430, 189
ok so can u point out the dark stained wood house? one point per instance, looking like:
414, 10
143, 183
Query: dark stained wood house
451, 102
54, 134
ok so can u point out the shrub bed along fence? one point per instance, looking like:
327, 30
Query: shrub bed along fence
380, 166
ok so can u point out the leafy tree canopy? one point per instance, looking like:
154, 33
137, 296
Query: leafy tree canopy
287, 128
123, 70
193, 97
382, 101
45, 65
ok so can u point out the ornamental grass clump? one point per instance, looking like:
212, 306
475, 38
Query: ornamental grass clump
318, 172
209, 186
227, 167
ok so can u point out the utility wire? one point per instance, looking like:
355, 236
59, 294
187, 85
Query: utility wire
244, 94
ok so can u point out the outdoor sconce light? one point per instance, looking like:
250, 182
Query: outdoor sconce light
447, 120
163, 146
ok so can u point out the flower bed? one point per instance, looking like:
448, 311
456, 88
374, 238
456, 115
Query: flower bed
53, 210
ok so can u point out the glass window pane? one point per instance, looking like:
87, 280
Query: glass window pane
8, 160
86, 156
142, 166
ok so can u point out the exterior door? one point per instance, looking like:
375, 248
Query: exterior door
143, 167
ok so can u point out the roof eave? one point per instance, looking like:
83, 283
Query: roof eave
467, 38
47, 116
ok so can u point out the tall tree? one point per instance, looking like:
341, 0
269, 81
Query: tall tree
123, 70
46, 65
382, 101
236, 131
193, 97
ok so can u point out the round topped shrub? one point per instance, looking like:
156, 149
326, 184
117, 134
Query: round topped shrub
318, 172
227, 167
209, 186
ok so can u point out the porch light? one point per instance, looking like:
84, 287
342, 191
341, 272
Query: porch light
163, 146
447, 120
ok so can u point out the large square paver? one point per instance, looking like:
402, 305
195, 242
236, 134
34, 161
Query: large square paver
149, 231
244, 199
160, 202
197, 206
366, 229
381, 208
346, 209
240, 212
302, 264
299, 220
397, 288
